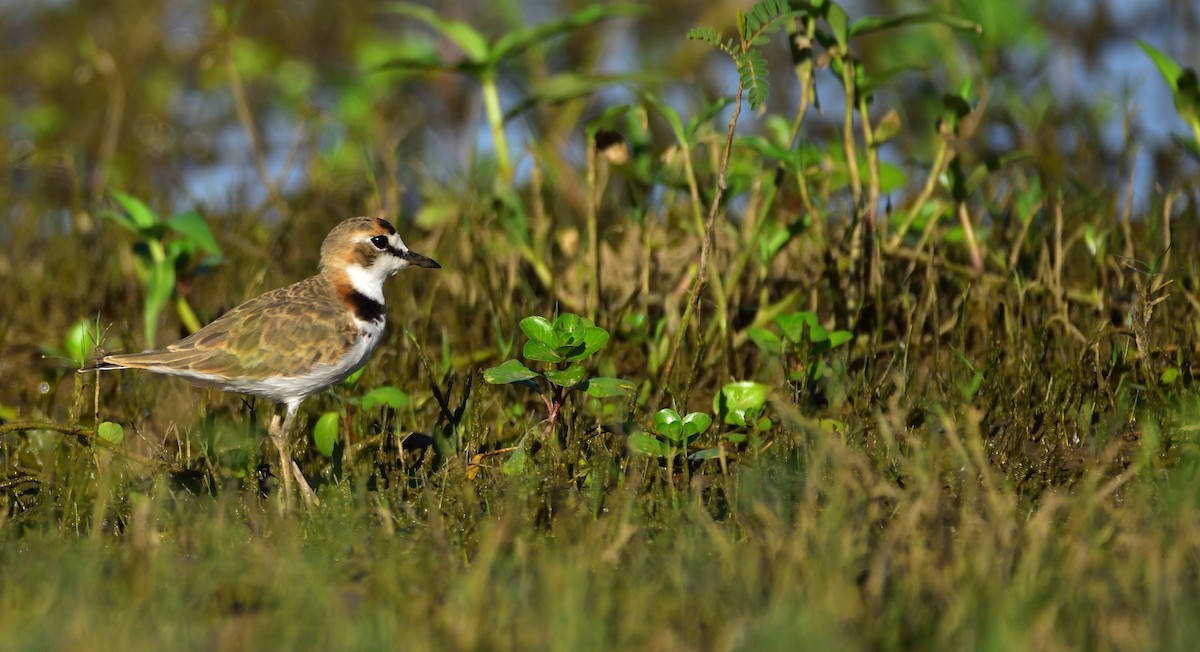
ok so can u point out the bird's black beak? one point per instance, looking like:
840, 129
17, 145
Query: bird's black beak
417, 259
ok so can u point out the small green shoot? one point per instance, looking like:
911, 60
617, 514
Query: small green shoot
1186, 89
562, 346
741, 404
77, 345
164, 253
755, 28
110, 432
800, 332
326, 431
671, 433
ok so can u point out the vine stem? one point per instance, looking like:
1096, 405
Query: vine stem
705, 251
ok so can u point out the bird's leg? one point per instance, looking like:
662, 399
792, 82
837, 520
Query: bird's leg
289, 466
278, 437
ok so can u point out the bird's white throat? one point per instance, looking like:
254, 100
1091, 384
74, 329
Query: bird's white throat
368, 281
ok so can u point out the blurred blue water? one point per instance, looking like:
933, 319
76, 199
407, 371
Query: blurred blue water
1109, 79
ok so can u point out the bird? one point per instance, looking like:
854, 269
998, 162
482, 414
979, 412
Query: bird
295, 341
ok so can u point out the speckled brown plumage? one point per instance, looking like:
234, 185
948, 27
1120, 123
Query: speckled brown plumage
284, 332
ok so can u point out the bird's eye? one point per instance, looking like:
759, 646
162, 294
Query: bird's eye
380, 242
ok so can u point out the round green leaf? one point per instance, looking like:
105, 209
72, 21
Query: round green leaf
572, 351
81, 339
644, 443
793, 324
569, 377
766, 340
139, 213
739, 403
473, 44
609, 387
191, 225
387, 395
111, 432
325, 433
538, 329
566, 324
352, 379
838, 338
511, 371
535, 350
515, 464
594, 339
695, 423
668, 424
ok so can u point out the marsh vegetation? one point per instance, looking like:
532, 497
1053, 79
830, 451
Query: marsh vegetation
800, 328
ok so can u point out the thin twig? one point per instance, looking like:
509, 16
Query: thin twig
705, 250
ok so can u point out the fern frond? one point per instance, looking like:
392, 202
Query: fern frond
710, 36
706, 34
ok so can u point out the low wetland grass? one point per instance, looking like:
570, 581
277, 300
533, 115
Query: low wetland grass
710, 364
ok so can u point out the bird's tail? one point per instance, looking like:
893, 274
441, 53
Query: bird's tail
128, 361
102, 364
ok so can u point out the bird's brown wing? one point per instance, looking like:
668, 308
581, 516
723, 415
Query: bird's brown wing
283, 332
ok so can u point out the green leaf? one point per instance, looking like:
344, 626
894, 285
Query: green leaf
838, 338
121, 219
668, 113
472, 43
609, 387
515, 463
81, 340
594, 339
695, 423
110, 432
568, 86
793, 324
139, 213
573, 351
566, 324
1171, 71
839, 22
539, 329
569, 377
519, 40
668, 424
387, 395
191, 225
706, 454
539, 351
352, 379
510, 371
739, 403
766, 340
870, 24
644, 443
160, 285
325, 434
